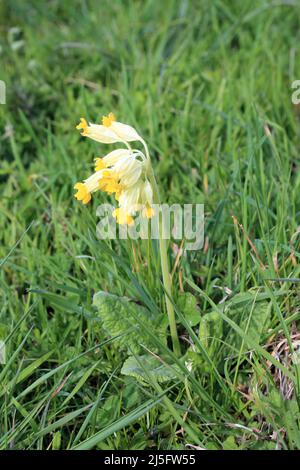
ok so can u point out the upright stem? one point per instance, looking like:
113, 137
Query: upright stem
168, 289
165, 272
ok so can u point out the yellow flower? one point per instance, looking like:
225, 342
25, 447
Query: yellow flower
123, 131
122, 217
109, 132
96, 132
112, 158
147, 200
108, 120
129, 199
114, 172
82, 193
128, 170
138, 197
88, 187
148, 212
109, 183
83, 125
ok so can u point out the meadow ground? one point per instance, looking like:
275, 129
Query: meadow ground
208, 85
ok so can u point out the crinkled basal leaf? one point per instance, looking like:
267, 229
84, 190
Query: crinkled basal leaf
151, 367
210, 331
245, 298
253, 319
119, 315
256, 325
187, 304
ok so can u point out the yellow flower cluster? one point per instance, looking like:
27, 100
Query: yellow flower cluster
122, 172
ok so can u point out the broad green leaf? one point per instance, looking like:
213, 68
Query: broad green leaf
211, 327
159, 371
108, 411
187, 304
256, 324
119, 315
252, 318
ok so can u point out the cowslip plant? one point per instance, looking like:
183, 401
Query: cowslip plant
127, 173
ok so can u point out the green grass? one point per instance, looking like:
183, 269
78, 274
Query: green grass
204, 83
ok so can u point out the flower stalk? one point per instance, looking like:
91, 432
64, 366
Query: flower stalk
165, 271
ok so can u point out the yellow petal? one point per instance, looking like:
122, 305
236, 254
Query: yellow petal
87, 199
99, 164
122, 217
107, 174
148, 212
108, 120
83, 125
104, 182
112, 187
82, 193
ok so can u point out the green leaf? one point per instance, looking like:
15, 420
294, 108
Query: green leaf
56, 441
187, 303
257, 323
211, 327
253, 319
120, 316
109, 411
151, 367
229, 444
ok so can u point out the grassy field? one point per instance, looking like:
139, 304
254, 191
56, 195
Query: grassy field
208, 85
